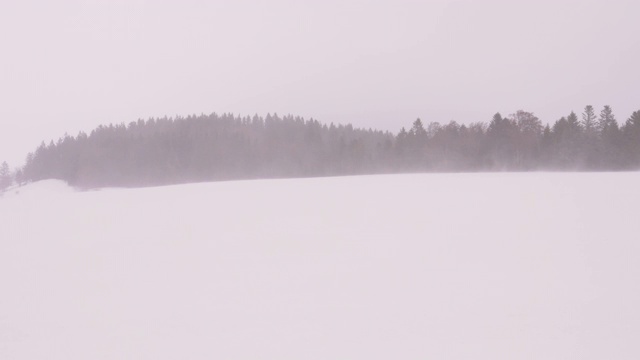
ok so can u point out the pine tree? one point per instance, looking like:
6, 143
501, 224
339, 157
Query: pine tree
631, 132
418, 129
574, 124
607, 119
502, 136
5, 176
589, 146
610, 146
589, 120
19, 177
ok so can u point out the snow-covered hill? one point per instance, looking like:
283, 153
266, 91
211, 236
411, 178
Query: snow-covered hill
438, 266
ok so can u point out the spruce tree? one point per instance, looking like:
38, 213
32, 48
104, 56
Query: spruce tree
589, 120
5, 176
607, 119
574, 124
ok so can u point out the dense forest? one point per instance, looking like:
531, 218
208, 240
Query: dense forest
224, 147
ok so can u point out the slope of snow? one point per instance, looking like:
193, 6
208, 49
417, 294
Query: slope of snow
37, 190
437, 266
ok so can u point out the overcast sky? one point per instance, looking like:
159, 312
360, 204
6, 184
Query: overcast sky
70, 65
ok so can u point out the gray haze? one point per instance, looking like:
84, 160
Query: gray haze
70, 65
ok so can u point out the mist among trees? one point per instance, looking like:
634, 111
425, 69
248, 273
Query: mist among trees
225, 147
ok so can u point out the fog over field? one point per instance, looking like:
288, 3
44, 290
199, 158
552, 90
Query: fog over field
434, 266
330, 180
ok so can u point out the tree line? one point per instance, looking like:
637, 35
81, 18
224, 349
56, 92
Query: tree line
520, 142
207, 148
225, 147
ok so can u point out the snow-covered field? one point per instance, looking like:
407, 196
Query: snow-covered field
439, 266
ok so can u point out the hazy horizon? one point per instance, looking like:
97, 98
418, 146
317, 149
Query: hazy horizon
73, 65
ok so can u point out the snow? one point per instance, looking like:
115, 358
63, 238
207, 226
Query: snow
434, 266
36, 191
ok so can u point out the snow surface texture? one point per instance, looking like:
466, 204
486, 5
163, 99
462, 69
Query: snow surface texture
442, 266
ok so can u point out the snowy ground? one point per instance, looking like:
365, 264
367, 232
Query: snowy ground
443, 266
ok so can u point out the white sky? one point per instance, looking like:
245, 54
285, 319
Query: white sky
71, 65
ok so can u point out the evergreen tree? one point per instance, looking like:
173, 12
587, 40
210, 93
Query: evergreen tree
574, 125
502, 136
589, 146
606, 120
5, 176
631, 133
589, 120
418, 130
610, 142
19, 177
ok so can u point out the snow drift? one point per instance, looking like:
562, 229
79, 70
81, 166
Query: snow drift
439, 266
